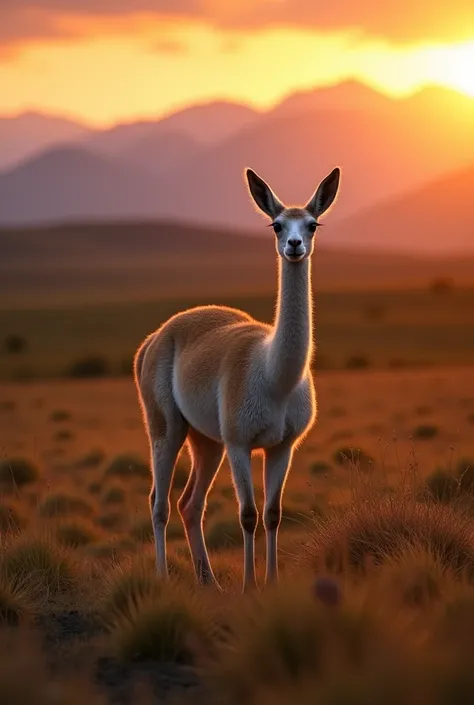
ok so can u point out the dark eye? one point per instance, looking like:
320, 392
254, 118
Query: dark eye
277, 227
312, 227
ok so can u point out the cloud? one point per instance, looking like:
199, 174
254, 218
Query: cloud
394, 20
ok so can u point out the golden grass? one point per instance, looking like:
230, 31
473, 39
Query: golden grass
401, 552
62, 505
380, 526
38, 561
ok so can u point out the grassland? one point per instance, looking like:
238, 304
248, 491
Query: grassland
83, 617
380, 498
358, 328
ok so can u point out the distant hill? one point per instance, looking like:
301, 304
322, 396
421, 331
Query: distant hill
23, 134
348, 94
189, 166
163, 152
68, 182
382, 153
164, 260
438, 217
208, 123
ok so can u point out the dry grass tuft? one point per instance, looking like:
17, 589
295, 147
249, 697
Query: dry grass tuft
39, 562
128, 466
285, 637
114, 495
173, 626
378, 527
17, 472
129, 583
76, 534
17, 603
92, 459
63, 505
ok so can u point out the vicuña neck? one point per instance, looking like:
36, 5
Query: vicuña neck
290, 343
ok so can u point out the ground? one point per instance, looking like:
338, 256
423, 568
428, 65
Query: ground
88, 508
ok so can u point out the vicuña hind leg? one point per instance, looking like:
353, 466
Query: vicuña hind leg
206, 457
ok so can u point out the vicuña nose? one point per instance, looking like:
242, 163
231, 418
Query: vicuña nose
294, 242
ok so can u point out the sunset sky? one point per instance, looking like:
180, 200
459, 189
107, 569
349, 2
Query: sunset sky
109, 60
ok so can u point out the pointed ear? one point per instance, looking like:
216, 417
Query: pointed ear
324, 196
263, 196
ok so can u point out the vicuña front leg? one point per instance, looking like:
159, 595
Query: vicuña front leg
239, 459
277, 463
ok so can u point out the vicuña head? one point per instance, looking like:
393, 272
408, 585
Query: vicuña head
294, 227
222, 382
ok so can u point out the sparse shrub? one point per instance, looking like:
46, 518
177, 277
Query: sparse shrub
75, 535
10, 520
127, 466
110, 521
319, 467
357, 362
40, 563
92, 366
62, 505
114, 495
425, 432
353, 456
92, 459
60, 415
63, 435
95, 487
18, 472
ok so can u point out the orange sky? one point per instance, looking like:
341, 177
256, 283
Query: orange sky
105, 61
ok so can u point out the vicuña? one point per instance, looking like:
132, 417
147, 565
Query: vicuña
215, 378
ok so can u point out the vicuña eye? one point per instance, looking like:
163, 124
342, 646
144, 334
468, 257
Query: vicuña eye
312, 227
277, 227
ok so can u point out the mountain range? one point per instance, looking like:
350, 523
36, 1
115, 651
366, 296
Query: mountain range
407, 166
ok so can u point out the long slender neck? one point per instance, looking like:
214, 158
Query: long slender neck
290, 343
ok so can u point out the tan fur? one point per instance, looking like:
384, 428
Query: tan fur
221, 381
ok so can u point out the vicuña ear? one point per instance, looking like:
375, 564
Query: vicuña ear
324, 196
262, 194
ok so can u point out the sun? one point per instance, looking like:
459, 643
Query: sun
454, 66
